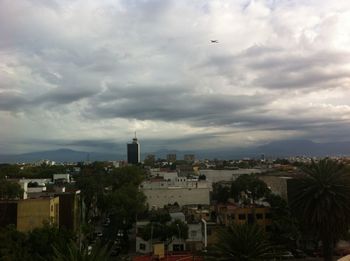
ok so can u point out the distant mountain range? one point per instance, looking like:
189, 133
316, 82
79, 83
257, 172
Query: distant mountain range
284, 148
60, 155
305, 147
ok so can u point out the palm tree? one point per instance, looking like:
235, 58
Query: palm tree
321, 200
73, 253
241, 243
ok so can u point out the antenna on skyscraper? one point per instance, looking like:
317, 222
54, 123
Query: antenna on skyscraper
135, 134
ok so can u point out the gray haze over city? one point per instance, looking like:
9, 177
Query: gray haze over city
86, 74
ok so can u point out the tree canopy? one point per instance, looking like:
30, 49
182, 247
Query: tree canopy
321, 201
251, 186
10, 190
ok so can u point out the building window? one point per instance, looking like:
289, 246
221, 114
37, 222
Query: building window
259, 216
250, 219
178, 247
268, 215
142, 246
241, 216
51, 208
193, 234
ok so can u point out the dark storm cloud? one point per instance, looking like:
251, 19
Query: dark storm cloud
300, 80
276, 69
61, 96
313, 70
265, 58
12, 101
149, 64
101, 144
175, 103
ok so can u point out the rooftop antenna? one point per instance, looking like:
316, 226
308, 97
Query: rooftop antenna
135, 134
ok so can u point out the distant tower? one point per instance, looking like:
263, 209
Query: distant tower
189, 157
134, 151
171, 157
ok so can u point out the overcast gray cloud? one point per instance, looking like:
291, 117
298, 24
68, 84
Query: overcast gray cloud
90, 73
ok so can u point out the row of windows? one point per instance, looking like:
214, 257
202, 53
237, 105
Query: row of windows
179, 196
250, 216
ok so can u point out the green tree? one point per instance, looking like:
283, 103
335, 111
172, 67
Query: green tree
242, 243
35, 245
8, 170
321, 200
284, 229
40, 241
252, 187
165, 231
13, 245
92, 187
124, 204
10, 190
127, 175
221, 193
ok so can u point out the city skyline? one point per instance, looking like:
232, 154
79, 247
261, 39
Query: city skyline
87, 74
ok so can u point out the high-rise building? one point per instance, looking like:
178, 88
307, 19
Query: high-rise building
134, 153
189, 157
171, 157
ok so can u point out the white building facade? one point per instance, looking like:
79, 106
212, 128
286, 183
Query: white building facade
180, 190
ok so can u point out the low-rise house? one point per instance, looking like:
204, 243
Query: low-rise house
231, 213
180, 190
159, 197
61, 178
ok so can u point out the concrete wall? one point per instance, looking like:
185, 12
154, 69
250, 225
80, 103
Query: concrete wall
195, 232
8, 213
226, 175
143, 246
65, 177
32, 213
69, 210
183, 196
277, 184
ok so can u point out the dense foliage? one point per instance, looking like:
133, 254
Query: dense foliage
248, 188
321, 201
35, 245
29, 171
242, 243
162, 228
9, 190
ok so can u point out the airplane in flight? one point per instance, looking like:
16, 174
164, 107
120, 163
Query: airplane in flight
214, 41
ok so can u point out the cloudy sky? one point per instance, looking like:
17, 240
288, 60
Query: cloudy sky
86, 74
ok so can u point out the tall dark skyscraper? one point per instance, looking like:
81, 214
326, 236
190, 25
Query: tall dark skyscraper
134, 151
